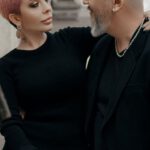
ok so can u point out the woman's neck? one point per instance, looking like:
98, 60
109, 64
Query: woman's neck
31, 41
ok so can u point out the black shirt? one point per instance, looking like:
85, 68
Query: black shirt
48, 85
112, 74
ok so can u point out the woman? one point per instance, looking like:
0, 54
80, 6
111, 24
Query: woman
44, 78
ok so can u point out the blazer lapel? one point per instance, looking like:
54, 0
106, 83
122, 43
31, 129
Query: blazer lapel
131, 60
128, 69
95, 67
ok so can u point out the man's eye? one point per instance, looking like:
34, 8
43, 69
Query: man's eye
48, 1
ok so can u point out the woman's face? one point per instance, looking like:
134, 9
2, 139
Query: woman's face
36, 15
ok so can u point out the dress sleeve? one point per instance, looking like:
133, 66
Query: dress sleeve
11, 128
81, 38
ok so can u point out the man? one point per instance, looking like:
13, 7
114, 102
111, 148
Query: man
118, 114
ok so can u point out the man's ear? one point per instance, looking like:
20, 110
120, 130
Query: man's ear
15, 19
117, 4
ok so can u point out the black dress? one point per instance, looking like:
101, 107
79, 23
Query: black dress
47, 84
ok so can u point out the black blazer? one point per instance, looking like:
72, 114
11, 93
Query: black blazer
126, 125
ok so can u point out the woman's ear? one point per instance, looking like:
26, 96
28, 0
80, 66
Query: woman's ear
15, 19
117, 4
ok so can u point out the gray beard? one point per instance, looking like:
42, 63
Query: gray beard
98, 28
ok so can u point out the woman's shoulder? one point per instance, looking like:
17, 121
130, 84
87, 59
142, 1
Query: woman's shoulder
7, 58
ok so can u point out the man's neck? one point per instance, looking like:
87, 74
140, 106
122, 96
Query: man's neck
124, 31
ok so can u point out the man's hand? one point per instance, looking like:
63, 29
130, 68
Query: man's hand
146, 26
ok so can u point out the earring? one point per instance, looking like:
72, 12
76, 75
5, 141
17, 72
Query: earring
114, 9
18, 32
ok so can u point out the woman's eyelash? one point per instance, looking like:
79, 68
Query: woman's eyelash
33, 5
36, 4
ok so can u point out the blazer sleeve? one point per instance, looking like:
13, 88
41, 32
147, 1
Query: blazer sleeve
11, 128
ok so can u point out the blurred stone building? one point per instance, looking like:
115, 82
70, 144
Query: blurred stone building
66, 9
8, 39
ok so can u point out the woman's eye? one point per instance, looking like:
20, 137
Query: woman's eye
34, 5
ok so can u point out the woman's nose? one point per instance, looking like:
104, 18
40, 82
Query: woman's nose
47, 7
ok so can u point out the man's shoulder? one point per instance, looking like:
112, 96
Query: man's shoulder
147, 41
148, 35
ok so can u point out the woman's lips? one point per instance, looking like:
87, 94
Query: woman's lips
47, 21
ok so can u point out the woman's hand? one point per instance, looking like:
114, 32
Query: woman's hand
146, 26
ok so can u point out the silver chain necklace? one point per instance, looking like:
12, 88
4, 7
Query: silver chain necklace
135, 36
